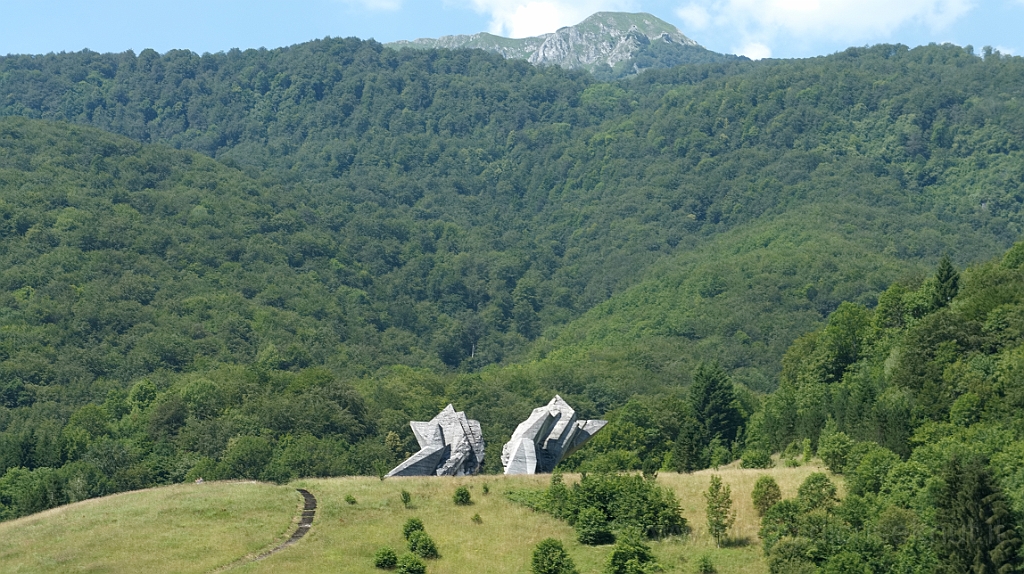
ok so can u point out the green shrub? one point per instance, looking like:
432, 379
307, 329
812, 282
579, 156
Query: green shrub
628, 500
847, 561
461, 496
557, 498
350, 499
385, 558
630, 555
476, 519
834, 450
410, 564
756, 458
781, 520
412, 525
817, 491
486, 489
592, 527
793, 450
766, 494
705, 565
422, 545
549, 557
792, 556
406, 498
867, 475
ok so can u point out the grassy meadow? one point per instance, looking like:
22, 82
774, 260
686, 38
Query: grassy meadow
180, 528
199, 528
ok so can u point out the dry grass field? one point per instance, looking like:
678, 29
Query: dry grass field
345, 536
198, 528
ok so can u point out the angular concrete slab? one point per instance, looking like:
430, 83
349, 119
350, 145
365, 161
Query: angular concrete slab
550, 434
450, 445
522, 457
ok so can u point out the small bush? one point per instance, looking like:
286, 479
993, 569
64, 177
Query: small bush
410, 564
422, 545
486, 489
705, 565
549, 557
350, 499
406, 498
461, 496
385, 558
631, 555
476, 519
791, 463
628, 500
592, 527
793, 449
791, 555
766, 494
756, 458
817, 491
412, 525
870, 471
834, 449
780, 521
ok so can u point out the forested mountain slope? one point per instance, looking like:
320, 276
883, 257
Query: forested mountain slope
384, 232
555, 190
918, 403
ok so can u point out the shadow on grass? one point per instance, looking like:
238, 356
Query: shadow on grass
740, 542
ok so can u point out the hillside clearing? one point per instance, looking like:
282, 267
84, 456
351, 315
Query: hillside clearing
199, 528
181, 528
345, 536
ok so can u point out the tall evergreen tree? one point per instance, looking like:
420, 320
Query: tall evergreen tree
976, 530
714, 403
690, 450
947, 283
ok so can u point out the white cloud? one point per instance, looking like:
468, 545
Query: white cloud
755, 51
696, 17
759, 22
848, 18
523, 18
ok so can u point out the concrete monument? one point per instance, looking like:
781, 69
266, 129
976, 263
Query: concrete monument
550, 434
450, 445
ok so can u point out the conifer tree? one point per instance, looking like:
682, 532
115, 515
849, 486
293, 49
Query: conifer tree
977, 532
550, 557
714, 403
690, 449
947, 283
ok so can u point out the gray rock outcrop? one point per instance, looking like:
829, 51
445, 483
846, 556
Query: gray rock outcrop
550, 434
602, 41
450, 445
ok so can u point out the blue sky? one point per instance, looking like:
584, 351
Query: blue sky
757, 28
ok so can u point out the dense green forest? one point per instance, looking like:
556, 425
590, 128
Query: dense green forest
263, 264
918, 404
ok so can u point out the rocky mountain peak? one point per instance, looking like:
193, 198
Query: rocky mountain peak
604, 42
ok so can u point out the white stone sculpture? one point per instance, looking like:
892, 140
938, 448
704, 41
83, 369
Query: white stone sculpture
550, 434
450, 445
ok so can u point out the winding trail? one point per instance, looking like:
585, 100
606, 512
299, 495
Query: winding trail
305, 522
